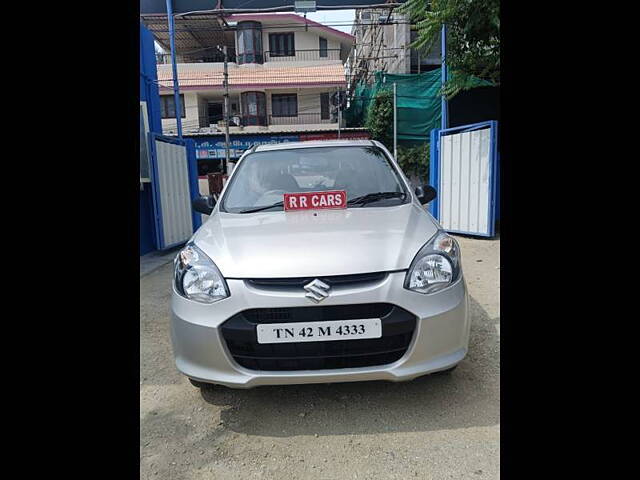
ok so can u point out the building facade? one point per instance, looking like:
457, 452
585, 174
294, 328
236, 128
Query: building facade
382, 39
284, 72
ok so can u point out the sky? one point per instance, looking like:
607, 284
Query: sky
334, 16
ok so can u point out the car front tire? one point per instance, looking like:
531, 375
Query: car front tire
198, 384
447, 371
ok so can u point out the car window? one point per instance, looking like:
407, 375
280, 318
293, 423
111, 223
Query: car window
263, 177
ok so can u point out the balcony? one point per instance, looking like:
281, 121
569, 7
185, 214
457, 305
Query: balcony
302, 55
279, 120
302, 119
205, 55
213, 55
253, 120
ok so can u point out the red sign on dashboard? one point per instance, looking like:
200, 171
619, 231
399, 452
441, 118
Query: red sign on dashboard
315, 200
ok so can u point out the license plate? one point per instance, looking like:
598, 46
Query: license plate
319, 331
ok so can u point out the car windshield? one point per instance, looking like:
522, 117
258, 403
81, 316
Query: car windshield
263, 177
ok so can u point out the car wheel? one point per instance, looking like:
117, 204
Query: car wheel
198, 384
446, 372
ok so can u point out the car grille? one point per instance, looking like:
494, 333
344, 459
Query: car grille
239, 333
332, 281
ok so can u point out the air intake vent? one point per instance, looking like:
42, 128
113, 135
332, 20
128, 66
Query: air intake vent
239, 333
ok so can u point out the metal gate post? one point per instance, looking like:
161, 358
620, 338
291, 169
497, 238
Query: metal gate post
434, 169
192, 166
155, 195
174, 68
495, 172
444, 114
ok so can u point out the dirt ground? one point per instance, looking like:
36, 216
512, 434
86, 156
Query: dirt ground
435, 427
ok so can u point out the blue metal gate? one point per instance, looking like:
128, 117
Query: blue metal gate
174, 178
464, 170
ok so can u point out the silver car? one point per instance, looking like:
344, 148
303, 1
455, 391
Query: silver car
356, 282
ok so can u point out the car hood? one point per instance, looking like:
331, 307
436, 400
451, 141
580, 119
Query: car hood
315, 243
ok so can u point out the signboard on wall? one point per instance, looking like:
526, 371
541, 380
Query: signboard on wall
213, 147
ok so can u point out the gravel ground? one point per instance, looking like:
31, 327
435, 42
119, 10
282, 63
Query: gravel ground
435, 427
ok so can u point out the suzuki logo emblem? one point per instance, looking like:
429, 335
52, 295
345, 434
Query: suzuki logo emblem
317, 290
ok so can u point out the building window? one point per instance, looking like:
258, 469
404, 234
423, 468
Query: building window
324, 106
168, 106
282, 45
323, 47
249, 36
254, 108
284, 105
215, 112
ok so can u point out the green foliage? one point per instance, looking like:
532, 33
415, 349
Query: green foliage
473, 41
414, 160
379, 119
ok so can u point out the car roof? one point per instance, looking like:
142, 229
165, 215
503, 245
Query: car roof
309, 144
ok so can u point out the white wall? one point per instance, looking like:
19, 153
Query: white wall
303, 40
196, 106
191, 119
308, 103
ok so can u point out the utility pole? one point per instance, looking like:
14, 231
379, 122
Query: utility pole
443, 79
339, 110
226, 111
174, 69
395, 122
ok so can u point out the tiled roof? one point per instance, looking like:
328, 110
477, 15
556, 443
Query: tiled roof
260, 76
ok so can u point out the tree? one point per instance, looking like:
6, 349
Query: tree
414, 162
379, 120
473, 40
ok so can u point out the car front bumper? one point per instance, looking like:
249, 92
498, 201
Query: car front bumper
439, 342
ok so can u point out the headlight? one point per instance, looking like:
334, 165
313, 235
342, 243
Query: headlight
197, 278
436, 266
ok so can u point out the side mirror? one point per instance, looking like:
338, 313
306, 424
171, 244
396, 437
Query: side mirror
425, 194
203, 204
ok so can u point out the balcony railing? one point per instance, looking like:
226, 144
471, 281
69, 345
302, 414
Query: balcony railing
213, 55
302, 55
302, 119
205, 55
254, 120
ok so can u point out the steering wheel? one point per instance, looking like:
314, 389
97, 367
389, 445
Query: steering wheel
268, 196
273, 192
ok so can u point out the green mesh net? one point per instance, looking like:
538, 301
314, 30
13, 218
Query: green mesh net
418, 103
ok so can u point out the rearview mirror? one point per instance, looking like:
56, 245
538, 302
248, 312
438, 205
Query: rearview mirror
203, 204
425, 194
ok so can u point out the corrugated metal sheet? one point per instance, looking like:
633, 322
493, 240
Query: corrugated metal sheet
175, 200
465, 182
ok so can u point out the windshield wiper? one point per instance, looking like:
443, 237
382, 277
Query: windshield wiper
373, 197
361, 200
259, 209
